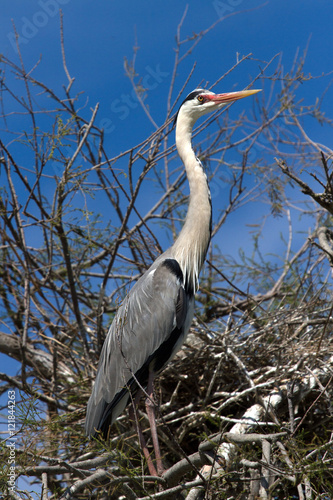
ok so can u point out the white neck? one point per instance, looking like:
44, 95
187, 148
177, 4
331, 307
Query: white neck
191, 246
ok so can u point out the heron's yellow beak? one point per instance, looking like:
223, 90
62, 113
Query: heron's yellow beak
231, 96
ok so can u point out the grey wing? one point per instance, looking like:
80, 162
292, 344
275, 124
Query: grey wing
147, 330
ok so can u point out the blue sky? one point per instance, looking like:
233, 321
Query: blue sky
99, 34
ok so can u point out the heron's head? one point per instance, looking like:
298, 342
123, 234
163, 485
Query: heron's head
202, 101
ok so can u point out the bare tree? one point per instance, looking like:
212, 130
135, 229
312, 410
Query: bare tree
245, 408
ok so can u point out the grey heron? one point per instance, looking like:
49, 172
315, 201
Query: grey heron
154, 319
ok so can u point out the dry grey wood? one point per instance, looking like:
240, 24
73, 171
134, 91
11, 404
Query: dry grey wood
252, 417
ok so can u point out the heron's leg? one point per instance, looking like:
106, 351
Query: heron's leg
150, 408
134, 417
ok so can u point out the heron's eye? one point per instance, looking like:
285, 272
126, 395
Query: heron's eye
200, 98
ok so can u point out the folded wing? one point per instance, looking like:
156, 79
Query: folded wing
146, 332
